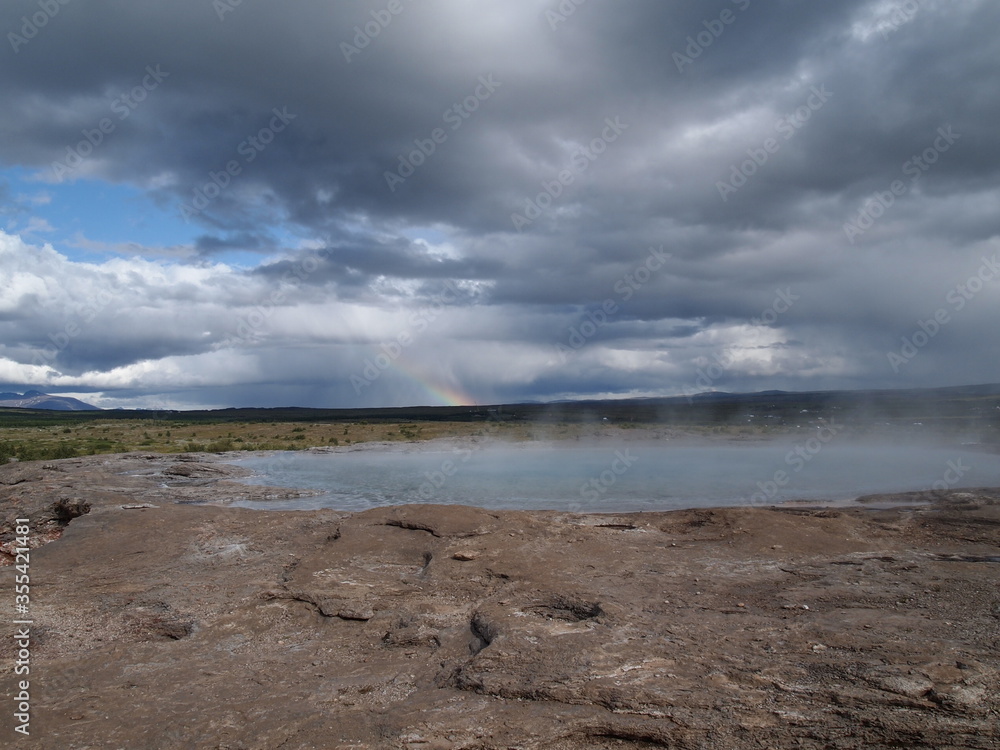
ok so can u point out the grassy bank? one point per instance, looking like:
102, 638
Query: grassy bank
67, 440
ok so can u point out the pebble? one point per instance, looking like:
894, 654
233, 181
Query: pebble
464, 554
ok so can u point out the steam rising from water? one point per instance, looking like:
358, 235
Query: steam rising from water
616, 476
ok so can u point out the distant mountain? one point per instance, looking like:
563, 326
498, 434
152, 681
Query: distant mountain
39, 400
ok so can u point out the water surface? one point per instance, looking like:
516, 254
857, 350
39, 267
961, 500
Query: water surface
613, 477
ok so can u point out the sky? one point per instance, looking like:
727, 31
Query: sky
211, 204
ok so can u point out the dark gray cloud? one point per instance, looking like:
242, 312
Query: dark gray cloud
533, 162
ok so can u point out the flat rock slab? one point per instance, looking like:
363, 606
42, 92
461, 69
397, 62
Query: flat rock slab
437, 626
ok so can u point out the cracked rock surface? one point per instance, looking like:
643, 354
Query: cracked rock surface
169, 624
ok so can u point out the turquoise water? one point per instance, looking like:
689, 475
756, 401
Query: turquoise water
613, 477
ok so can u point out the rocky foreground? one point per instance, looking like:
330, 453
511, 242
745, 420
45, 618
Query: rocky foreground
429, 627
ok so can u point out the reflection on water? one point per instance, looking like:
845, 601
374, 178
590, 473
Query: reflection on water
628, 476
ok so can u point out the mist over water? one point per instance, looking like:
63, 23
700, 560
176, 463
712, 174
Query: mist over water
615, 476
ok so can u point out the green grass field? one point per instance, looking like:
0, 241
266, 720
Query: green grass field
74, 438
81, 438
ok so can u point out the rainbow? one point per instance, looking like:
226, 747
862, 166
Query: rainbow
448, 394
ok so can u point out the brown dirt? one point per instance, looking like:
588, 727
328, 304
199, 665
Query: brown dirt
432, 627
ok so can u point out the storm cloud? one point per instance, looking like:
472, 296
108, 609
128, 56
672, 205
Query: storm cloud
399, 202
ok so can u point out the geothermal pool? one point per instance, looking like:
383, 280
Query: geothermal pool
614, 476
